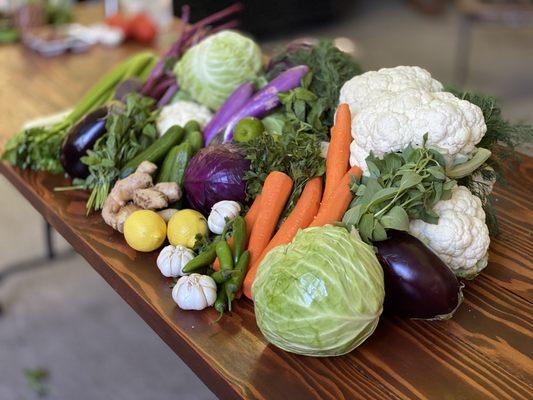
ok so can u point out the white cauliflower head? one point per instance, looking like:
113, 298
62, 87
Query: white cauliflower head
461, 238
394, 107
181, 112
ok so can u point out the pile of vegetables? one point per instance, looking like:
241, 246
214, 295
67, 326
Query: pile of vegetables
323, 194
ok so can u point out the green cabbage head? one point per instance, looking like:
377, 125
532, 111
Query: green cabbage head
320, 295
215, 67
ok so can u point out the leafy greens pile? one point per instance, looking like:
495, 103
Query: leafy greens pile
128, 132
37, 149
400, 187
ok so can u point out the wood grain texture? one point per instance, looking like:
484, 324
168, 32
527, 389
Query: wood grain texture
484, 352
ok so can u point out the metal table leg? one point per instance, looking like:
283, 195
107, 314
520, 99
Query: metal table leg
50, 251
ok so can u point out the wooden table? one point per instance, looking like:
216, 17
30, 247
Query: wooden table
483, 352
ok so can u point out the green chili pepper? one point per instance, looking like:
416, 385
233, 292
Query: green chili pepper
234, 283
222, 299
239, 238
201, 260
222, 276
223, 252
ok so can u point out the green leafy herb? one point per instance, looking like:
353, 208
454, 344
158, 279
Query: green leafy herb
401, 186
304, 110
128, 132
502, 139
315, 103
36, 148
294, 153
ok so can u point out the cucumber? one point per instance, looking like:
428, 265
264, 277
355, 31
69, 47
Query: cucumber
195, 139
192, 126
156, 151
175, 164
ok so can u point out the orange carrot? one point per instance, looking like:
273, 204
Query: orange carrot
249, 220
276, 190
333, 208
337, 160
300, 217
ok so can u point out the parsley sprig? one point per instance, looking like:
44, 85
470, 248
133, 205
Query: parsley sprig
295, 153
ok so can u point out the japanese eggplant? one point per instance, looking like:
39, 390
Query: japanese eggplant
418, 284
81, 138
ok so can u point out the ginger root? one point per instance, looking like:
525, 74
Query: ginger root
150, 199
137, 192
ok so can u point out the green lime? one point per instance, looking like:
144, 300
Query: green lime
247, 129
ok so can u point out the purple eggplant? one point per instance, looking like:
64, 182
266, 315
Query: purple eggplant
81, 138
418, 284
266, 99
231, 106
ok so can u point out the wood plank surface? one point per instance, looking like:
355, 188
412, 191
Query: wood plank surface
484, 352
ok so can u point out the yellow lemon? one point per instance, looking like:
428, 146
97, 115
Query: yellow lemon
184, 226
145, 230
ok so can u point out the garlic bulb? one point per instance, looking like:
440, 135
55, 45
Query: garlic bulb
172, 259
195, 292
221, 212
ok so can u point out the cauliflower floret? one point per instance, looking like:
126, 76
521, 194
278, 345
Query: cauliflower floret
181, 112
394, 107
461, 238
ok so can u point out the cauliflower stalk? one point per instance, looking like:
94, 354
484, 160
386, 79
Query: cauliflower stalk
394, 107
461, 237
181, 112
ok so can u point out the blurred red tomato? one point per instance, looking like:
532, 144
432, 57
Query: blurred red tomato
119, 21
142, 29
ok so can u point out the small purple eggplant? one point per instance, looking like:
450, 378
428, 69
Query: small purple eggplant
81, 138
266, 99
231, 106
418, 284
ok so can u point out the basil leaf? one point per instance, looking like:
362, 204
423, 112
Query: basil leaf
373, 169
396, 218
437, 172
383, 194
366, 226
393, 162
378, 233
410, 179
353, 215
